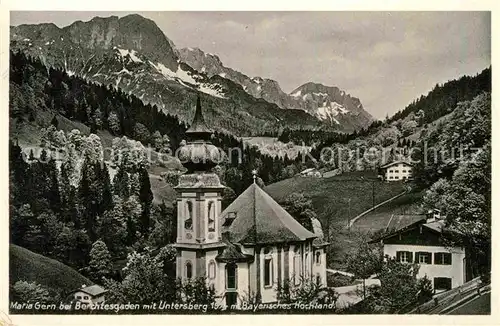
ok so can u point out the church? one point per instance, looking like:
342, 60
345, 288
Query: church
252, 247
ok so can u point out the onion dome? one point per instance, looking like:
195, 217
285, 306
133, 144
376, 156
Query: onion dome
199, 154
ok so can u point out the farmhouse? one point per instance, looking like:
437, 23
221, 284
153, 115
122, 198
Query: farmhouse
89, 294
396, 171
249, 249
421, 239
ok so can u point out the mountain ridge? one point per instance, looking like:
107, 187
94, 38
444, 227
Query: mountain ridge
132, 53
334, 109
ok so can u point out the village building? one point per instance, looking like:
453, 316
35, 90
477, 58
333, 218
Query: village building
252, 247
396, 171
422, 239
311, 172
89, 294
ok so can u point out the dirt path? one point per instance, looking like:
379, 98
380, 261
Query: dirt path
352, 221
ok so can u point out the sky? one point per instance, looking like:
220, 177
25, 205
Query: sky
386, 59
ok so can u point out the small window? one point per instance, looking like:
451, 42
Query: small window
86, 297
189, 270
442, 258
211, 216
318, 257
396, 171
231, 276
318, 279
229, 218
442, 283
188, 223
211, 270
268, 271
79, 297
424, 257
404, 256
396, 177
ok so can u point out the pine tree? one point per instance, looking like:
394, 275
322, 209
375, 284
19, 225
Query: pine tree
53, 195
100, 261
145, 198
107, 193
121, 183
112, 229
89, 199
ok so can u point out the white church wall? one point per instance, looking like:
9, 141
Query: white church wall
213, 279
319, 268
187, 256
268, 293
243, 282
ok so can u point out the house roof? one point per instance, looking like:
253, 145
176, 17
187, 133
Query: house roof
394, 163
260, 219
93, 290
402, 223
232, 253
399, 222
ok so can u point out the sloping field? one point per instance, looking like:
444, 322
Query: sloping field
338, 198
26, 265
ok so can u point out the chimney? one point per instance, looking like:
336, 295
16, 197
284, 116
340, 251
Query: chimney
433, 215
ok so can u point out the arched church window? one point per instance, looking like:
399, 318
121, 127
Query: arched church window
211, 270
231, 276
189, 270
188, 223
318, 279
211, 216
318, 257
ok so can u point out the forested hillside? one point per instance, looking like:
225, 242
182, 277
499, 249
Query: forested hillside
71, 194
444, 98
440, 101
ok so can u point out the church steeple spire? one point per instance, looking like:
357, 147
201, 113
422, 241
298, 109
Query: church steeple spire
199, 154
199, 129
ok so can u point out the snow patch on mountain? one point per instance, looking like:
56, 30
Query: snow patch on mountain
320, 94
124, 70
330, 111
185, 77
131, 53
212, 89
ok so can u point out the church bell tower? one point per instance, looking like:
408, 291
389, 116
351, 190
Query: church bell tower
199, 199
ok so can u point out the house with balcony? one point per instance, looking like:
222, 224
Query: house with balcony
422, 239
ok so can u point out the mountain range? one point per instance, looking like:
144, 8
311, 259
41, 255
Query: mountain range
329, 104
131, 53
